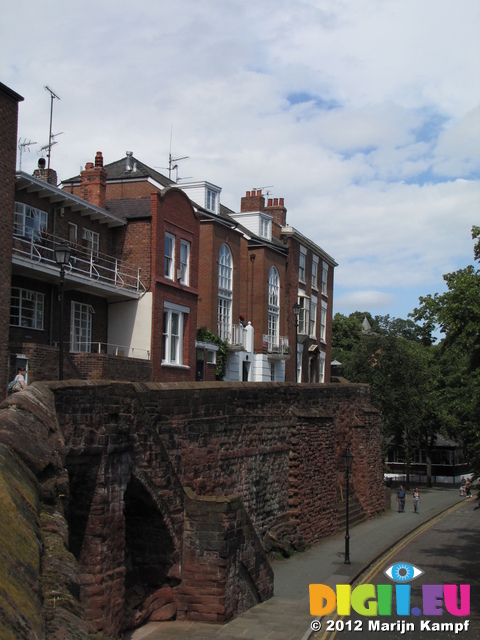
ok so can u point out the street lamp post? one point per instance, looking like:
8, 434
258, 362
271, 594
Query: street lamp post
62, 258
296, 313
348, 459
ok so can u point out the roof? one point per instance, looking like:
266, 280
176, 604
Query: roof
31, 184
130, 208
10, 93
139, 171
293, 233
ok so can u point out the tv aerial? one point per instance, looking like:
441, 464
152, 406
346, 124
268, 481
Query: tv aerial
51, 142
23, 144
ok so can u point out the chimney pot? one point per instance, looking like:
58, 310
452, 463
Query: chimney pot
269, 202
281, 202
275, 202
259, 192
248, 194
89, 165
99, 159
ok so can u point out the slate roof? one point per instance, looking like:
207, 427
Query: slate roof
118, 171
130, 208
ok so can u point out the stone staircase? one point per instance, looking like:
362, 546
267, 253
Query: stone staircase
355, 511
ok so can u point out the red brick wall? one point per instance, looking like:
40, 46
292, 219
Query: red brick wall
8, 148
172, 212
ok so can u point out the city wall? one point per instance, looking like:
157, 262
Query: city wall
152, 501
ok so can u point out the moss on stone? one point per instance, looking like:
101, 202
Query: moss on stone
21, 613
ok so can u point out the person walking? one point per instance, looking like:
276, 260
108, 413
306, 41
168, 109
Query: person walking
463, 482
416, 500
401, 499
468, 488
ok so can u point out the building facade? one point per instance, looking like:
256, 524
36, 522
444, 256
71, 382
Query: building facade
151, 262
8, 147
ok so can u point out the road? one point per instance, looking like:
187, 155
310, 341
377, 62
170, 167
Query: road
447, 550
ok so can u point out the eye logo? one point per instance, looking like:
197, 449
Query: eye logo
403, 572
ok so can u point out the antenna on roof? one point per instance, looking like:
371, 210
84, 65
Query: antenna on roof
270, 186
22, 145
53, 96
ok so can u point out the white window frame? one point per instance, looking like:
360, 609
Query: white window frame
184, 262
304, 317
321, 372
302, 264
211, 200
313, 316
324, 279
29, 222
315, 261
81, 327
93, 241
30, 309
173, 342
225, 293
169, 262
323, 322
274, 307
265, 227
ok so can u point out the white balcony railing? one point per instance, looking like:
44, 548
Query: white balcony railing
235, 334
39, 248
276, 344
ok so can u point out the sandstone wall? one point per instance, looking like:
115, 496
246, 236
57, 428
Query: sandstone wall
155, 501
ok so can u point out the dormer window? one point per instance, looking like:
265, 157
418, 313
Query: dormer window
265, 227
211, 204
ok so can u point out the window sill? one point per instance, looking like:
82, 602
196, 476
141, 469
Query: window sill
174, 365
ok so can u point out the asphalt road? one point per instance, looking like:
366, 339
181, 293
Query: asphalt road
447, 550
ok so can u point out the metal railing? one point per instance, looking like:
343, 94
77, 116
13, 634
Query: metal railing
234, 334
276, 344
106, 348
97, 267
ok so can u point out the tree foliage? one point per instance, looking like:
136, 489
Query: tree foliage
456, 313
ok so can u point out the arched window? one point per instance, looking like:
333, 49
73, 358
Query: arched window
273, 308
225, 279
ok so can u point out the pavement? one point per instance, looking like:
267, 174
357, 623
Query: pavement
286, 616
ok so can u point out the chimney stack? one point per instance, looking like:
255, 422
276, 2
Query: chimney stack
47, 175
93, 185
252, 201
277, 210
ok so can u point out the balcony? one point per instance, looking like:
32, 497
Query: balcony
235, 335
276, 345
88, 270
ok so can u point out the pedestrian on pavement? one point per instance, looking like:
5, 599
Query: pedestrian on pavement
463, 482
468, 488
416, 501
401, 499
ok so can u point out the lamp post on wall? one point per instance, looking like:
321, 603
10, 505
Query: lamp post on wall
62, 258
348, 459
296, 313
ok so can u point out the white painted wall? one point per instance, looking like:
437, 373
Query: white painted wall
130, 326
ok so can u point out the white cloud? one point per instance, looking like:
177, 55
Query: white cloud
362, 114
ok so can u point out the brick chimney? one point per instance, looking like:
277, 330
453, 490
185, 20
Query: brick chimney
47, 175
93, 184
277, 210
252, 201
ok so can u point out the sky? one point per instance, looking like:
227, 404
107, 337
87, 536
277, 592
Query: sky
364, 115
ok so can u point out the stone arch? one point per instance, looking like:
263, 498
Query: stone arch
151, 563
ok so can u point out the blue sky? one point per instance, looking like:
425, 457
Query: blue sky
364, 115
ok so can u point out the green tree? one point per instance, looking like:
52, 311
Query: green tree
456, 313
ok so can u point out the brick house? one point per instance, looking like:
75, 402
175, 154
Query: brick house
286, 268
252, 268
98, 280
8, 147
161, 235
